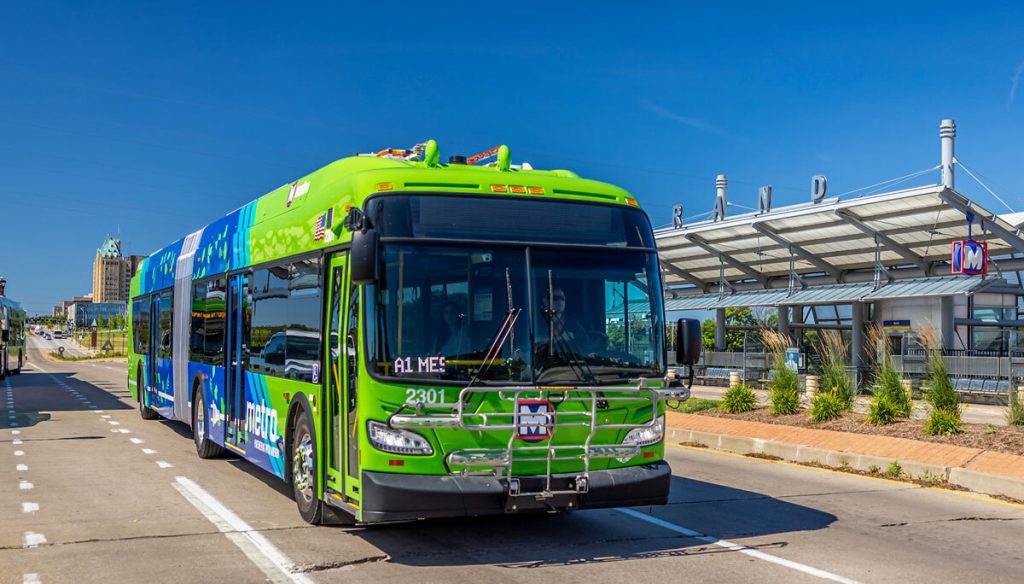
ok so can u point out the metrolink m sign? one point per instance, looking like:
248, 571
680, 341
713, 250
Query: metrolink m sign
969, 257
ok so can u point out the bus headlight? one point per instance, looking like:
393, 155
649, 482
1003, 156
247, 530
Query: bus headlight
397, 441
641, 437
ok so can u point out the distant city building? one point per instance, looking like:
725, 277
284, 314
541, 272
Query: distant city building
112, 272
82, 314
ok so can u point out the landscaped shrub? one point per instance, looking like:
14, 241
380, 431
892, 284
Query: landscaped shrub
891, 401
943, 398
943, 423
1015, 413
832, 373
882, 410
738, 399
827, 405
784, 389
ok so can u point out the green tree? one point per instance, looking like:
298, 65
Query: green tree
101, 321
734, 339
120, 321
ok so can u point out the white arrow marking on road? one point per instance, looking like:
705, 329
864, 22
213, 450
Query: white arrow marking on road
32, 539
274, 564
29, 507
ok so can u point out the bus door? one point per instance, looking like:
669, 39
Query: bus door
154, 341
340, 443
237, 344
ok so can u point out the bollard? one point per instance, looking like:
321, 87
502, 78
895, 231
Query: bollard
734, 379
1020, 393
811, 385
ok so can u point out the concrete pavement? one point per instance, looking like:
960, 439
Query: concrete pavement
89, 492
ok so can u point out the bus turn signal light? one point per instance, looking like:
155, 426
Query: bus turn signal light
499, 189
518, 189
632, 202
385, 186
535, 190
395, 462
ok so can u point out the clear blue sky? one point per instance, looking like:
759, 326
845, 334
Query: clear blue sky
156, 118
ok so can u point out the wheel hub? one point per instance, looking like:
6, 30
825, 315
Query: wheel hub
302, 467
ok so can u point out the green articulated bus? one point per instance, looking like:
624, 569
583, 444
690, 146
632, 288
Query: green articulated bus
400, 338
12, 337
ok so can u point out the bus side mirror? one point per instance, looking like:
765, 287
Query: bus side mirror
689, 341
363, 257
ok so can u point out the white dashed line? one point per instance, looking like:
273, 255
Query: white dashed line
105, 417
737, 548
164, 464
113, 422
25, 485
31, 579
148, 451
19, 453
29, 507
21, 467
274, 564
137, 440
17, 442
15, 432
32, 539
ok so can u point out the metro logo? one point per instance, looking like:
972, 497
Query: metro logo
969, 257
535, 417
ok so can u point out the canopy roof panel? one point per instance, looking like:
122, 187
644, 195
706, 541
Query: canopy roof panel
838, 293
911, 228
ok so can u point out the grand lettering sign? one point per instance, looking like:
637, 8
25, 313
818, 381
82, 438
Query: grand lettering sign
969, 257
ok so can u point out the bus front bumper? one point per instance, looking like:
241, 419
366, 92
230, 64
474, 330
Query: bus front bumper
402, 497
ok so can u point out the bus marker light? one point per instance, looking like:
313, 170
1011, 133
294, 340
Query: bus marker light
385, 186
287, 397
394, 462
632, 202
648, 455
518, 189
536, 190
499, 188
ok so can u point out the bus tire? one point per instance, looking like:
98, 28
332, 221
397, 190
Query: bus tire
146, 412
205, 447
305, 473
21, 363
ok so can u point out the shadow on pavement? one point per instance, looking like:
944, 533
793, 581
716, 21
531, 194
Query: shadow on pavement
596, 536
36, 393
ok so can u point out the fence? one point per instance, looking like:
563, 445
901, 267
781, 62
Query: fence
112, 341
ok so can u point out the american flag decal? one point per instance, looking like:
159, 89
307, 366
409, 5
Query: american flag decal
323, 223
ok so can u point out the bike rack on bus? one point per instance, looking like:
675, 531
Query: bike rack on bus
499, 462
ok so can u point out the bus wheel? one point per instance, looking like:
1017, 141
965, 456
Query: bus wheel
205, 447
145, 412
305, 472
21, 363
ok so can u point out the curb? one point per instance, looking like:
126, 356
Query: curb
980, 482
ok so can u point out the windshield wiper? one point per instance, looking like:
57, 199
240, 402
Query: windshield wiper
578, 366
505, 332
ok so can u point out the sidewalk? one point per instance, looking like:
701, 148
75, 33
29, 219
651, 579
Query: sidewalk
984, 471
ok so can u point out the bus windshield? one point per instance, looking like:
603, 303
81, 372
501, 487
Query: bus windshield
515, 314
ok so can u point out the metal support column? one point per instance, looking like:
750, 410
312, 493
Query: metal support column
720, 329
857, 336
798, 318
784, 321
948, 329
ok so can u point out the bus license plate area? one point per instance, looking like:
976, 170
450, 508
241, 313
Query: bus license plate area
528, 494
535, 420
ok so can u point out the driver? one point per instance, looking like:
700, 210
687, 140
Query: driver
563, 328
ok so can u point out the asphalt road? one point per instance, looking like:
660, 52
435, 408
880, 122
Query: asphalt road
90, 492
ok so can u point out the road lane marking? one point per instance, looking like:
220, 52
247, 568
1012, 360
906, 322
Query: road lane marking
31, 579
164, 464
274, 564
810, 570
19, 453
148, 451
22, 467
105, 417
17, 442
29, 507
32, 539
114, 422
137, 440
25, 485
15, 432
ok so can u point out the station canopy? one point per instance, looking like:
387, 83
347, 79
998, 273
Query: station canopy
835, 251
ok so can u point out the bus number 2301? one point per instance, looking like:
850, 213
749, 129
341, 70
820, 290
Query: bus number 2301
424, 396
